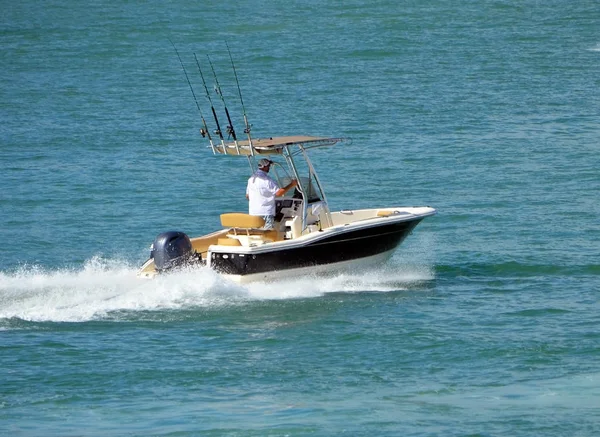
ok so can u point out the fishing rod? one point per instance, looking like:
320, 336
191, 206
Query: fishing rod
212, 107
230, 129
248, 126
204, 131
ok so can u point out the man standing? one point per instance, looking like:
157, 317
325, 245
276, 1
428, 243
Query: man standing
261, 192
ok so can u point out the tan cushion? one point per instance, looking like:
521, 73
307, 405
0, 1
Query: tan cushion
229, 242
241, 220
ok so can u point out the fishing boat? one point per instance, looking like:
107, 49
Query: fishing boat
306, 238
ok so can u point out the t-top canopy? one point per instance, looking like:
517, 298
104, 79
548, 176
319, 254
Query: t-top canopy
272, 146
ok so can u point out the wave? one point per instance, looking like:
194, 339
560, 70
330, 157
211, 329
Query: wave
108, 288
596, 48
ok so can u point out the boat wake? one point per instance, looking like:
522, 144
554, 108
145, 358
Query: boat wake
104, 289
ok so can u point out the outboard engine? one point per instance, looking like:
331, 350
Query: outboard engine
172, 249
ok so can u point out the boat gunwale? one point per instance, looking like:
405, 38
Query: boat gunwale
315, 237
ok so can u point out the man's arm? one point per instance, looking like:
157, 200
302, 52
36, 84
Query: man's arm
285, 189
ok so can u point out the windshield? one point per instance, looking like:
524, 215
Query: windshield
308, 186
307, 180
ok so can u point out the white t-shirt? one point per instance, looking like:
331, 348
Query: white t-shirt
261, 191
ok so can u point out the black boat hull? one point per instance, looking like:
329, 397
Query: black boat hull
344, 246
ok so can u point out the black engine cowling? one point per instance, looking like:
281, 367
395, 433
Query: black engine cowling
172, 249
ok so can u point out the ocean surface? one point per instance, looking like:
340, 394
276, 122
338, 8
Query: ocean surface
485, 322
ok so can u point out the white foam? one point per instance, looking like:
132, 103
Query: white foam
383, 279
103, 288
596, 48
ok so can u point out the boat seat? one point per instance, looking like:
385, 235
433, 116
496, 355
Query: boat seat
252, 239
265, 234
241, 220
246, 224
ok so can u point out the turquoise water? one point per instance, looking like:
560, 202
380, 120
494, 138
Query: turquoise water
485, 321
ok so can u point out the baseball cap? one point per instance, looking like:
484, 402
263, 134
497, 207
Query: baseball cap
264, 162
